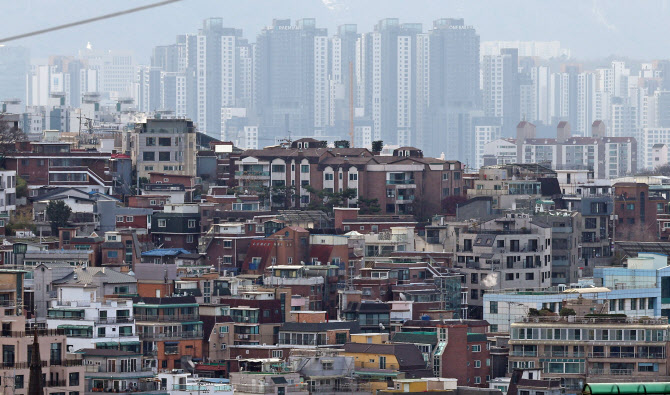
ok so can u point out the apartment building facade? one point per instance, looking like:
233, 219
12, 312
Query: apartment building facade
163, 145
578, 348
508, 252
402, 183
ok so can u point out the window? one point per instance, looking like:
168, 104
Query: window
493, 307
191, 223
165, 141
530, 276
18, 381
150, 141
119, 218
149, 156
164, 156
189, 238
223, 329
129, 219
8, 356
304, 168
328, 176
474, 294
278, 168
277, 353
162, 223
353, 176
112, 254
478, 380
227, 244
55, 354
478, 364
476, 348
101, 332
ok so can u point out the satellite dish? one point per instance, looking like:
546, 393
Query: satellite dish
381, 326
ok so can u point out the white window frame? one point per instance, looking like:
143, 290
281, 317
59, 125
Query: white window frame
162, 223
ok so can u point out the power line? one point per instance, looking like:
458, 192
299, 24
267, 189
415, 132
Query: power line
89, 20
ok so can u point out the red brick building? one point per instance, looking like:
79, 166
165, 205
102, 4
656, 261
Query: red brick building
58, 165
636, 212
405, 183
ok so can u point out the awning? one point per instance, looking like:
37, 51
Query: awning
75, 327
106, 344
165, 306
279, 380
137, 343
171, 343
191, 323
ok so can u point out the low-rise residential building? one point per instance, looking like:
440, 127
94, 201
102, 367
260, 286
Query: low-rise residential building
169, 328
177, 226
109, 370
267, 376
577, 348
163, 145
509, 252
107, 324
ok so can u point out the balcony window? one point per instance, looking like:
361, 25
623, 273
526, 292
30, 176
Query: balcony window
8, 355
55, 353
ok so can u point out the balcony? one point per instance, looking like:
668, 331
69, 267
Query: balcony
409, 181
108, 386
40, 333
167, 318
101, 372
626, 355
252, 174
523, 353
111, 321
195, 387
169, 336
611, 372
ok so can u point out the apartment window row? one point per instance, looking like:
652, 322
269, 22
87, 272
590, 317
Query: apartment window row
654, 335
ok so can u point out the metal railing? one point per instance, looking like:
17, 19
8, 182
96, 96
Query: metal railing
252, 174
610, 372
40, 332
171, 318
401, 182
523, 353
176, 335
623, 355
117, 320
196, 387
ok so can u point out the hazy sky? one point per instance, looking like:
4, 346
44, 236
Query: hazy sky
590, 28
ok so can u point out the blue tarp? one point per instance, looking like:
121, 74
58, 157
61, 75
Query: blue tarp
159, 252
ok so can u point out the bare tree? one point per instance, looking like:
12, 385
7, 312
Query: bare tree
10, 133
